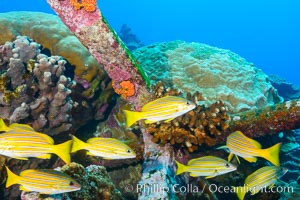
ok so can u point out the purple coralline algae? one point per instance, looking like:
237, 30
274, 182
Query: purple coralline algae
103, 43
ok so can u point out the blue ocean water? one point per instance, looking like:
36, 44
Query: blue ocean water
264, 32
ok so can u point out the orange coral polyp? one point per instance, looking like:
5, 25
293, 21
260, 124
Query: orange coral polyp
87, 5
126, 90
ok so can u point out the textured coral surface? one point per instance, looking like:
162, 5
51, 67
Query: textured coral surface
217, 73
54, 36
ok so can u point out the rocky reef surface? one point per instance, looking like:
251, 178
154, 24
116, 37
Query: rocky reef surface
52, 93
285, 89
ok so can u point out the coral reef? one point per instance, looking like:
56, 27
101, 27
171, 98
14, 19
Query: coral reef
103, 43
267, 121
33, 86
285, 89
129, 38
56, 39
200, 126
217, 73
87, 5
106, 47
94, 180
125, 89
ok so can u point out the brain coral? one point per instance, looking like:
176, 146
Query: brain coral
54, 36
218, 74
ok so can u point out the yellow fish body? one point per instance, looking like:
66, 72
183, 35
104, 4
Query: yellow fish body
209, 166
162, 109
107, 148
260, 179
20, 141
249, 149
45, 181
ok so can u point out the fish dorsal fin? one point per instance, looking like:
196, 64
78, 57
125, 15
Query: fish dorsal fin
191, 161
153, 103
201, 159
255, 143
238, 135
167, 100
46, 137
26, 172
21, 126
101, 139
94, 140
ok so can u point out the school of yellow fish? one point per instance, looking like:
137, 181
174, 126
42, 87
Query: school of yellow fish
20, 141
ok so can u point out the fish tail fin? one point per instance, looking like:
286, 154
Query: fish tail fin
3, 126
180, 168
11, 178
240, 191
63, 151
77, 145
131, 117
272, 154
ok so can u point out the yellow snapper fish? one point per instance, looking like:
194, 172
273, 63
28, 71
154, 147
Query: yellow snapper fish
165, 108
45, 181
21, 141
107, 148
209, 166
249, 149
260, 179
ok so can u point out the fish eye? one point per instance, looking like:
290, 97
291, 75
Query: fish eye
128, 151
227, 165
187, 103
71, 183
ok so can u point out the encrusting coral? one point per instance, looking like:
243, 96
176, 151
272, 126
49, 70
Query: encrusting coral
200, 126
125, 89
87, 5
218, 74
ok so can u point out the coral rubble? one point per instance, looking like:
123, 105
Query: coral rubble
217, 73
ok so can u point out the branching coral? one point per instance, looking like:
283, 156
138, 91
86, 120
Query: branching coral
33, 87
87, 5
199, 126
